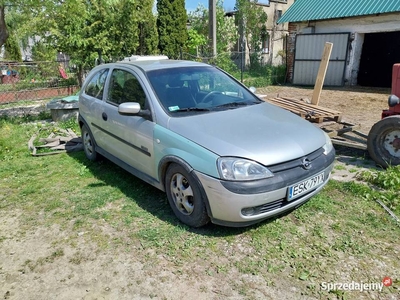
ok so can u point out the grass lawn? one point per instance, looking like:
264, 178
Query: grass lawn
90, 220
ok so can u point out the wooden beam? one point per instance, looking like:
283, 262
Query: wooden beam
321, 73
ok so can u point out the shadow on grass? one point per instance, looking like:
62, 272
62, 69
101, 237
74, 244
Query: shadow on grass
148, 197
355, 157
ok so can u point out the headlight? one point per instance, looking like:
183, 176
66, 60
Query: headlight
328, 144
239, 169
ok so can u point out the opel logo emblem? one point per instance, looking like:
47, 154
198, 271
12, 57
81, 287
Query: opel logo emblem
306, 164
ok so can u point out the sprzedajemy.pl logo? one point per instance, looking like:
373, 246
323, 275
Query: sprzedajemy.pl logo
356, 286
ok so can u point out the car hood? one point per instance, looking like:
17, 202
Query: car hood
264, 133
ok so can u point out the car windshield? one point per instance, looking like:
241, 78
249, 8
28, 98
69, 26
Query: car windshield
198, 90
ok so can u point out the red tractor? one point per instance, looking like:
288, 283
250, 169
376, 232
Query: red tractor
384, 138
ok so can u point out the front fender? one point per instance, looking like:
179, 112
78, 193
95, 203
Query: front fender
172, 147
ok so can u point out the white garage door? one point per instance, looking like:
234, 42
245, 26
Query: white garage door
308, 53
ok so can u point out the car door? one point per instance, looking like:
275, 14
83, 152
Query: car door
91, 104
128, 137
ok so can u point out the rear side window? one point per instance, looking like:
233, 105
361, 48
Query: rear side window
95, 87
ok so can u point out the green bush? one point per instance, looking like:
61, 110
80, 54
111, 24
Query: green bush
224, 62
388, 183
69, 81
263, 76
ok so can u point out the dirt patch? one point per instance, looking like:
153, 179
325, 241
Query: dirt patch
360, 106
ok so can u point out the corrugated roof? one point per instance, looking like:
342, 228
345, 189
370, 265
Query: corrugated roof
308, 10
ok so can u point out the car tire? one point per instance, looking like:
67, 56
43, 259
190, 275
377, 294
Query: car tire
89, 145
384, 141
184, 196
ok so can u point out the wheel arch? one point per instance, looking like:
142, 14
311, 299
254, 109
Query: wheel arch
162, 171
81, 121
166, 161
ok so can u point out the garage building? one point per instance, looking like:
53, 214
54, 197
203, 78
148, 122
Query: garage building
365, 36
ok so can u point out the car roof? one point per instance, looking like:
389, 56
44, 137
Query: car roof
149, 65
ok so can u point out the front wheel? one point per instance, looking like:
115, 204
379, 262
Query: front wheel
184, 197
384, 142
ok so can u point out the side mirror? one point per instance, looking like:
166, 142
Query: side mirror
133, 108
129, 108
252, 89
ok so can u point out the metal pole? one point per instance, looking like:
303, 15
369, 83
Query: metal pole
212, 20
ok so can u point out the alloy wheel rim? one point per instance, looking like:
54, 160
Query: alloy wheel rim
182, 194
87, 142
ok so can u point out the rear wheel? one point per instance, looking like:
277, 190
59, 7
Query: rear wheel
384, 142
184, 197
89, 145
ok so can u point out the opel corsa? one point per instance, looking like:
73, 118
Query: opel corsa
190, 129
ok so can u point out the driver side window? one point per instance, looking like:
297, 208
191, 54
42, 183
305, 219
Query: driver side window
125, 87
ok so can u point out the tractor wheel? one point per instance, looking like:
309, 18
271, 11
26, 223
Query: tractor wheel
384, 142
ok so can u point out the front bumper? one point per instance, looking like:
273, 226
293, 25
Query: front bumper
226, 205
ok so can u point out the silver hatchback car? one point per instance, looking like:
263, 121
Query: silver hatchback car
219, 152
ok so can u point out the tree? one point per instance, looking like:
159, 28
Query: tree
12, 49
90, 31
195, 41
227, 35
3, 26
171, 25
93, 31
227, 31
147, 28
252, 19
123, 29
67, 28
21, 10
133, 29
11, 45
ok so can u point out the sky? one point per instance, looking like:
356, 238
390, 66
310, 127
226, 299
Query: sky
192, 4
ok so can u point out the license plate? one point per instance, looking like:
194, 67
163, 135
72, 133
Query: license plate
305, 186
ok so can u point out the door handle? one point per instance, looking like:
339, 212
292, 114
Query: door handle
104, 116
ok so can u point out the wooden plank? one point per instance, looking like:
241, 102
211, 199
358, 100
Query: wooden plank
338, 119
291, 108
349, 144
308, 111
299, 105
321, 73
304, 105
362, 134
339, 132
313, 106
287, 103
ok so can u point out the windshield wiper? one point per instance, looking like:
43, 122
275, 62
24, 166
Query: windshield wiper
191, 109
232, 104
